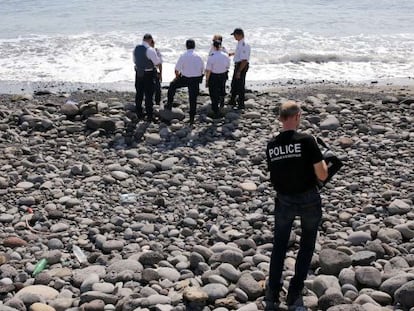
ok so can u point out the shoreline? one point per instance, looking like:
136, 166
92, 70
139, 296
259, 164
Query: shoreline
386, 85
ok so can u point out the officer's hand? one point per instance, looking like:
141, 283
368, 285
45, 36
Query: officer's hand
206, 83
237, 75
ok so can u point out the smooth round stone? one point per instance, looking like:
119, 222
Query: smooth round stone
29, 201
25, 185
215, 291
248, 186
106, 288
59, 227
232, 257
229, 272
14, 242
94, 305
217, 279
46, 292
241, 295
125, 264
250, 286
6, 218
153, 138
168, 163
194, 294
359, 237
41, 307
249, 307
112, 245
168, 273
118, 175
368, 277
55, 243
88, 282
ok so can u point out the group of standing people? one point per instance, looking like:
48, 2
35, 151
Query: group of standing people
295, 162
189, 72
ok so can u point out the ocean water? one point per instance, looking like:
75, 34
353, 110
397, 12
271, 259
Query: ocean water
91, 41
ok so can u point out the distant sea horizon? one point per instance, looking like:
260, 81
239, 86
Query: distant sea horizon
90, 42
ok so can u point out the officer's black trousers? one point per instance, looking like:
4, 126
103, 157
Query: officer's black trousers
157, 90
238, 85
144, 85
193, 85
217, 90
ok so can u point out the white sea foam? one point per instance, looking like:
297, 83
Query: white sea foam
276, 54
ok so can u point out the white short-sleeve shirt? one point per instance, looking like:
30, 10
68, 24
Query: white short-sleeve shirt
242, 51
190, 64
151, 54
218, 62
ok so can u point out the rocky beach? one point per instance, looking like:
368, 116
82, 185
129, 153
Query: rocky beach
173, 217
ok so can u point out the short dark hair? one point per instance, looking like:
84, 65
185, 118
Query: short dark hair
289, 109
147, 36
190, 44
217, 43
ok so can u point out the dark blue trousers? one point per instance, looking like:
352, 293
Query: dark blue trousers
308, 207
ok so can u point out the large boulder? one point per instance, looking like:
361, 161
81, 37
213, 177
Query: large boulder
333, 261
101, 122
405, 295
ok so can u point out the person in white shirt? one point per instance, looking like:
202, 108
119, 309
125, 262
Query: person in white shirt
241, 65
217, 38
146, 60
189, 72
158, 78
217, 68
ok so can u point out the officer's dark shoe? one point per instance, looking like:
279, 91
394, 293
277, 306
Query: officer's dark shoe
232, 102
191, 120
271, 299
151, 119
140, 116
241, 106
168, 106
293, 296
222, 102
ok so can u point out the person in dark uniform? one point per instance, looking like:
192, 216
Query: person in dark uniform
146, 61
241, 65
218, 64
189, 72
296, 164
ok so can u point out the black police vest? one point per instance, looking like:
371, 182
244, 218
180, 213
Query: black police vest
142, 62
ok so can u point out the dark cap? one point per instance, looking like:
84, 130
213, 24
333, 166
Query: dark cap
238, 31
147, 36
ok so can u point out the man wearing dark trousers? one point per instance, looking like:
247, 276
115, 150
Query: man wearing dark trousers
296, 164
189, 72
158, 77
217, 67
146, 61
241, 65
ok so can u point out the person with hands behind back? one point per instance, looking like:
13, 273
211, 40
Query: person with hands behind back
296, 165
218, 64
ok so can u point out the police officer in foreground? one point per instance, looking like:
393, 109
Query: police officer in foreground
296, 164
146, 60
189, 72
218, 64
241, 65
